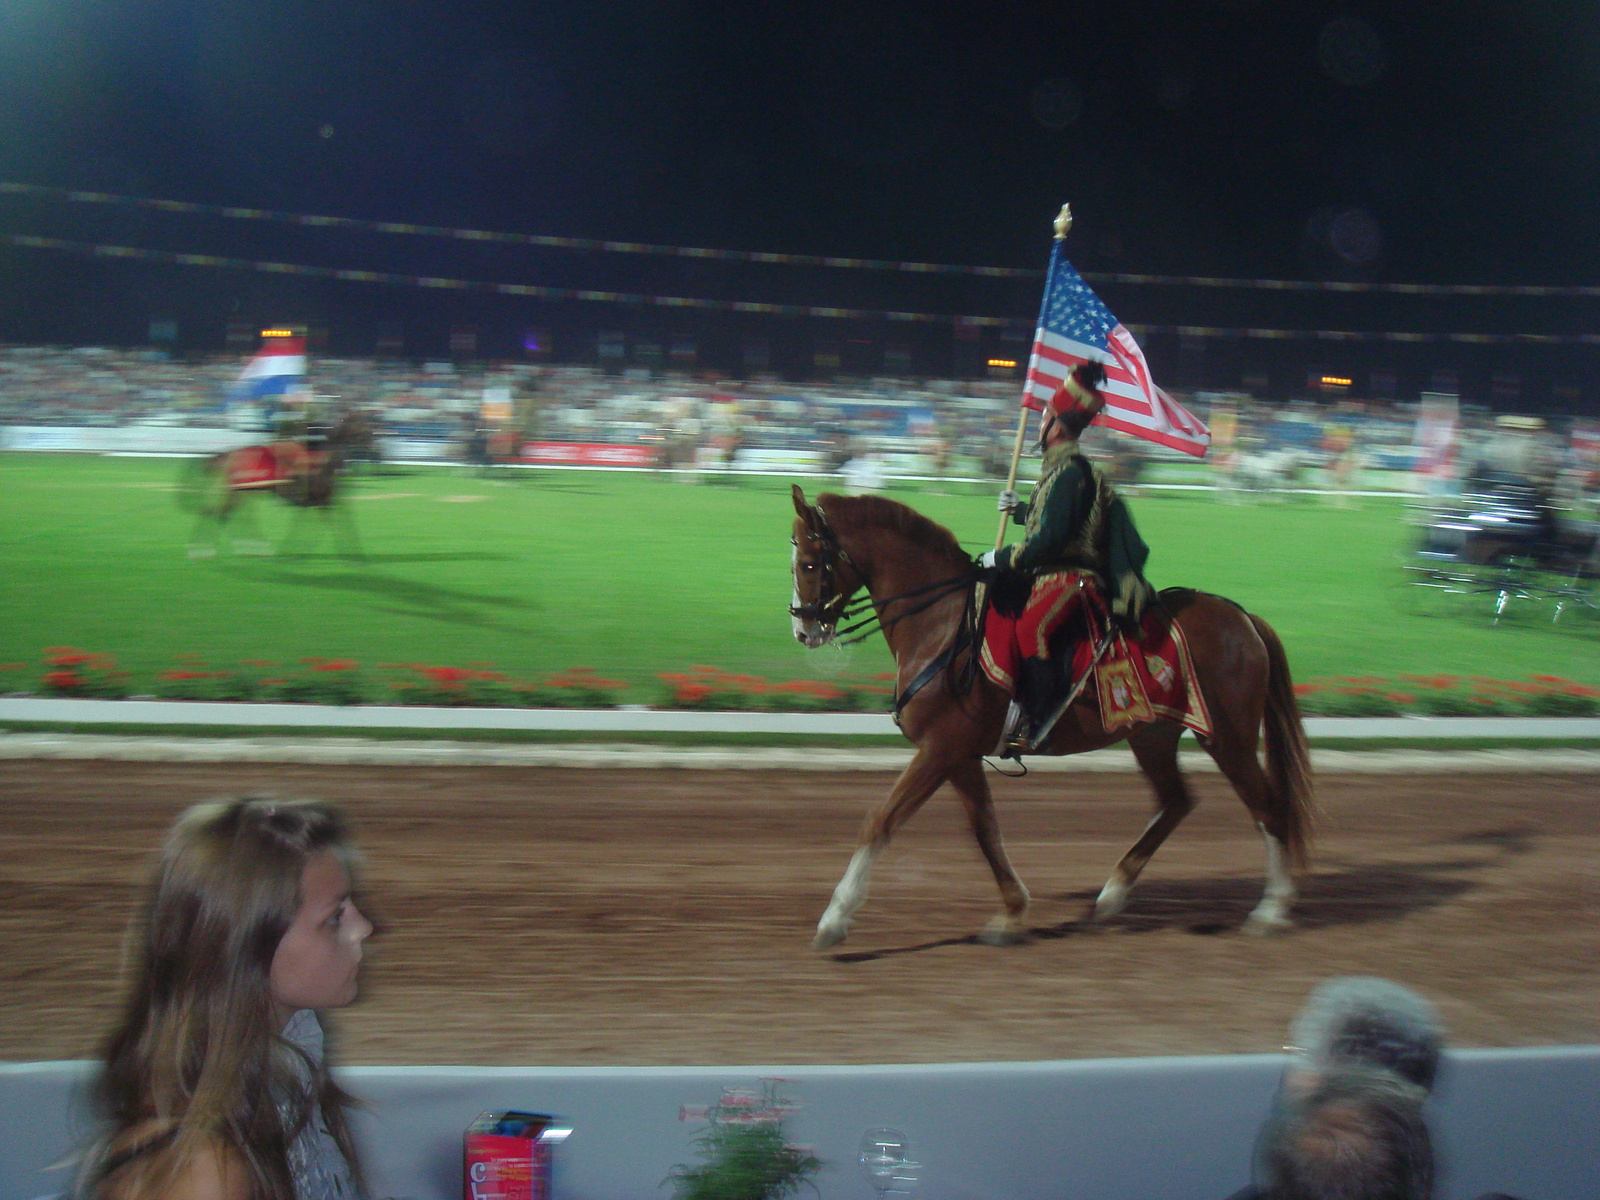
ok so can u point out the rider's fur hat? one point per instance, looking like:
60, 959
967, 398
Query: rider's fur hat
1079, 394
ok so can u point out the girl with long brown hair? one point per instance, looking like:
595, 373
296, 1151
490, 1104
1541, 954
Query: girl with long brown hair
215, 1084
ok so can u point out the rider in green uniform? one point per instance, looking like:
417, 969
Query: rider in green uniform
1076, 532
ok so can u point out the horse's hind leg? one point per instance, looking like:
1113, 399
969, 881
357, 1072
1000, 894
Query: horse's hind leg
343, 517
1155, 748
1238, 763
917, 782
972, 785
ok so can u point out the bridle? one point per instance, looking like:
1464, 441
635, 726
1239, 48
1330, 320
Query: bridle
828, 610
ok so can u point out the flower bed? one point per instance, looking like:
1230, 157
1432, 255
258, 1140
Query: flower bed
715, 690
1447, 696
67, 671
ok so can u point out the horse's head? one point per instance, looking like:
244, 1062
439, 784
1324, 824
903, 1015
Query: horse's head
824, 576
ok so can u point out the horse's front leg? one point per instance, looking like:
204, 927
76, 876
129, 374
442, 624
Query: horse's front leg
921, 778
1007, 928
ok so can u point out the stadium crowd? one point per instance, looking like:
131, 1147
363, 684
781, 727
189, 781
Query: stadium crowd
962, 427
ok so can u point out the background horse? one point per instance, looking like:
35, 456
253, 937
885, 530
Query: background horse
843, 544
215, 487
1279, 471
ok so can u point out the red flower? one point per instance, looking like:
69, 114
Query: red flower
334, 664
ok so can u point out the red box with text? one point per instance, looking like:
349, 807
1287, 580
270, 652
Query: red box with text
508, 1156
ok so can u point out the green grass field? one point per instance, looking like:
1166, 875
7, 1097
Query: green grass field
631, 574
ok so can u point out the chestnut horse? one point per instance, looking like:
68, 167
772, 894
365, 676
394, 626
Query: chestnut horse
214, 487
920, 583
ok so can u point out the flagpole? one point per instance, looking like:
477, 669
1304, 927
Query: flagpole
1062, 224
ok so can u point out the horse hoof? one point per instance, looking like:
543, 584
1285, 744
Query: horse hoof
1112, 900
828, 937
1003, 931
1266, 926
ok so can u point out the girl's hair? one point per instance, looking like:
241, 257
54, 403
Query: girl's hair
196, 1060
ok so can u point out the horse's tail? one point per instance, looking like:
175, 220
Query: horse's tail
197, 482
1288, 757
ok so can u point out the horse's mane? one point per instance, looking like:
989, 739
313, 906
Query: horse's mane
860, 511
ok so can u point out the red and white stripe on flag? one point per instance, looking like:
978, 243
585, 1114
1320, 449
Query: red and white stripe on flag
1134, 404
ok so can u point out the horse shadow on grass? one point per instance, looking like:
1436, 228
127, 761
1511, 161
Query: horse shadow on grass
1334, 895
456, 606
442, 556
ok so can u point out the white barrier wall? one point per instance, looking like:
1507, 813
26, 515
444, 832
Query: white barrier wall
123, 439
183, 439
1525, 1122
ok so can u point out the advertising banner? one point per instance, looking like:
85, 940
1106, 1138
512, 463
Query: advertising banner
586, 454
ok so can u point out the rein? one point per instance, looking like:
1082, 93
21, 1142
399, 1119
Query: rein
876, 624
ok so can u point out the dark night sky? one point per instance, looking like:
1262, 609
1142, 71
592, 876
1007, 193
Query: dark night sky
1410, 141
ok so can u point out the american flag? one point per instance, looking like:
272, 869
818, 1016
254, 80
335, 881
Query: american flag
1075, 327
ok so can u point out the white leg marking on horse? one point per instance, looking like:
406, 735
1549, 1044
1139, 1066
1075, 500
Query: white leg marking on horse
1113, 899
1272, 913
847, 898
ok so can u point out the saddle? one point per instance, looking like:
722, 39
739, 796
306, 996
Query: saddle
1064, 644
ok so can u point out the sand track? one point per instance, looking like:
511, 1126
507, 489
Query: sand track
559, 916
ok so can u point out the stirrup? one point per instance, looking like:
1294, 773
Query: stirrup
1013, 734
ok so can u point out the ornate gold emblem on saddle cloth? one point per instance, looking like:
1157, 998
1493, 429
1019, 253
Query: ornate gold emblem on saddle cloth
1150, 678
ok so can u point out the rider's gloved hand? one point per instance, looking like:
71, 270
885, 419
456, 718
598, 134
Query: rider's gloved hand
1008, 500
986, 560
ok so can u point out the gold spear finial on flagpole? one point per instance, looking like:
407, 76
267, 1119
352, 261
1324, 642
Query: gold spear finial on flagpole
1063, 223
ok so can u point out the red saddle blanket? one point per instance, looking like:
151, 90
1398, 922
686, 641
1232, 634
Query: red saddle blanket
1138, 679
267, 466
254, 466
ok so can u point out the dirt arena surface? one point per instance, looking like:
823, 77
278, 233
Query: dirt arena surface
582, 917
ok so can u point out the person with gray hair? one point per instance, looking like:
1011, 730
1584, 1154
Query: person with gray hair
1357, 1133
1361, 1021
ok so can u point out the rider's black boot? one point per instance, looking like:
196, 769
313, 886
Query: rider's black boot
1037, 680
